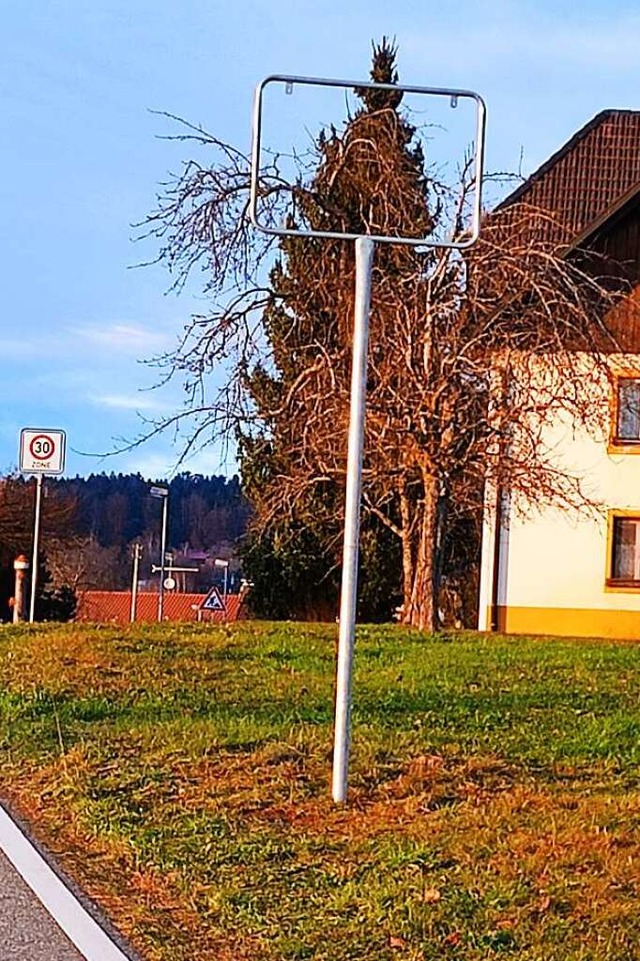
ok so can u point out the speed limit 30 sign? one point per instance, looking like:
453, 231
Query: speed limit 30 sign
42, 451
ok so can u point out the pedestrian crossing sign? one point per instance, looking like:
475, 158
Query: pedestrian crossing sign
213, 601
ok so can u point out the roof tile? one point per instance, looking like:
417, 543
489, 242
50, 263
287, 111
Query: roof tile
589, 175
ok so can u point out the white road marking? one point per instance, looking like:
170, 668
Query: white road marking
64, 908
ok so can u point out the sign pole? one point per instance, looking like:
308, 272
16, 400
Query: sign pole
36, 538
137, 551
459, 240
163, 547
364, 266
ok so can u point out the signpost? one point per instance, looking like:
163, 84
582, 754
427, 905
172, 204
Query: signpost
137, 554
161, 493
42, 452
364, 254
213, 601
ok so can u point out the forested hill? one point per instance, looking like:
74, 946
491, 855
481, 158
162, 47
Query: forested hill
118, 508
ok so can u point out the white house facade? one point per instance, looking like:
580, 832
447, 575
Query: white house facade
576, 572
553, 570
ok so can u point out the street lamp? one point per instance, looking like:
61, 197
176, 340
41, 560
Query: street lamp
225, 564
162, 493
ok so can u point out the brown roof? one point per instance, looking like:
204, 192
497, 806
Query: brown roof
114, 607
590, 177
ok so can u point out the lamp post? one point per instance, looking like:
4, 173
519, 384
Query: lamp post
219, 562
162, 493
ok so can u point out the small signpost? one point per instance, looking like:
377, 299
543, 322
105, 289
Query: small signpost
42, 451
161, 493
213, 601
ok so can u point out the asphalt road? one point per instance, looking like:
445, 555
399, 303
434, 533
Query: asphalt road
27, 931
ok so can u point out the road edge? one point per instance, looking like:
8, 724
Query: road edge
74, 913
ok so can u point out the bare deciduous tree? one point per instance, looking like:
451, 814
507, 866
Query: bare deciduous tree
81, 563
457, 342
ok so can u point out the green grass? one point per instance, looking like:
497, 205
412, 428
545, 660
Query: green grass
181, 773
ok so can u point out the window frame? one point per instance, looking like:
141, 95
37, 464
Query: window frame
618, 444
619, 584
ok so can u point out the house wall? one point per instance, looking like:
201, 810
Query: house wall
553, 564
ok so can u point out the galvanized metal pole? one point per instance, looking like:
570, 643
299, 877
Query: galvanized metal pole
163, 548
364, 266
36, 538
137, 550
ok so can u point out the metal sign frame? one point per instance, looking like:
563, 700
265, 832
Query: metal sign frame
364, 254
453, 94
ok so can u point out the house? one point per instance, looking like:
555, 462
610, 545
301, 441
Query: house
570, 572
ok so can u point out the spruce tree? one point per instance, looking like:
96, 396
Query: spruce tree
370, 178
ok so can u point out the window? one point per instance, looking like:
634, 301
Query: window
625, 551
627, 427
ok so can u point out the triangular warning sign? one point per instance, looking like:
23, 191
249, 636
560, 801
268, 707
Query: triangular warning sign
213, 601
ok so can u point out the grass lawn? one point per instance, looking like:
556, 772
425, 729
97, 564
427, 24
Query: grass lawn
181, 775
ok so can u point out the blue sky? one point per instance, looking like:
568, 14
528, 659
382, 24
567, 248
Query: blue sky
80, 160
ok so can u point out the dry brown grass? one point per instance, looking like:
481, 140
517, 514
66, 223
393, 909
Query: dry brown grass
208, 835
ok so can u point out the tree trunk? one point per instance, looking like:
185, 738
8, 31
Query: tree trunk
407, 551
421, 610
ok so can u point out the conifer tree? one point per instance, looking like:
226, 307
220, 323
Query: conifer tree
369, 178
454, 385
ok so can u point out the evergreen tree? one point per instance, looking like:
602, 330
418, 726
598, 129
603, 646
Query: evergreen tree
453, 393
369, 179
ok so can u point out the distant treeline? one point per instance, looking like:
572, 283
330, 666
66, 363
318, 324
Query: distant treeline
116, 509
89, 524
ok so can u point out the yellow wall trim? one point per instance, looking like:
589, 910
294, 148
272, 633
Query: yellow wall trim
568, 622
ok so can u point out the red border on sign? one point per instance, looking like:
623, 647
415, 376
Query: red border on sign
42, 437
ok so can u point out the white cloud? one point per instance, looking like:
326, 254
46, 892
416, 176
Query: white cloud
125, 338
32, 346
129, 402
11, 348
98, 342
153, 464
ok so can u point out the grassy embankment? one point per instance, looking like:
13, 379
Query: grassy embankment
181, 775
